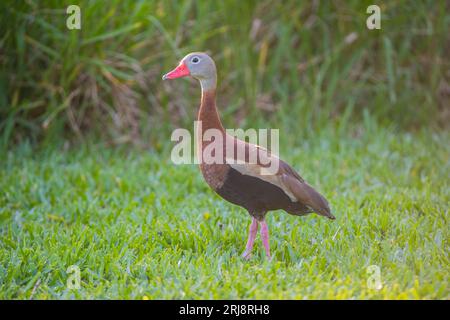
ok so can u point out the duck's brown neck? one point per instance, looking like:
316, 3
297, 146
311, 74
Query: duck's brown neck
208, 113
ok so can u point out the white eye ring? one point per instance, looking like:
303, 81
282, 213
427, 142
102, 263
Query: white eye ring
195, 60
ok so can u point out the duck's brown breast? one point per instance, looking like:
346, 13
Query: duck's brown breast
215, 174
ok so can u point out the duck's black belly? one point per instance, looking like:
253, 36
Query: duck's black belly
256, 195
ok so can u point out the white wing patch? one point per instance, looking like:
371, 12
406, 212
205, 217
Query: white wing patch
257, 171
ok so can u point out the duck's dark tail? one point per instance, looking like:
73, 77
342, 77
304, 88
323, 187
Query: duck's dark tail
308, 196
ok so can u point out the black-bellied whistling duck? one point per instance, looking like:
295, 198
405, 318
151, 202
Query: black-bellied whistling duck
241, 182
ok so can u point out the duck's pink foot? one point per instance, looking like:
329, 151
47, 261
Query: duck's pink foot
265, 237
251, 239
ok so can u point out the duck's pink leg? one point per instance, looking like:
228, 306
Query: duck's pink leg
265, 237
251, 238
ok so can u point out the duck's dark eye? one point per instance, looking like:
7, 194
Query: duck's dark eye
195, 60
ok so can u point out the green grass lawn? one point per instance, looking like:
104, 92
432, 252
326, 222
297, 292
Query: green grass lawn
140, 227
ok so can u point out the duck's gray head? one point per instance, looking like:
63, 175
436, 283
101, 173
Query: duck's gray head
197, 65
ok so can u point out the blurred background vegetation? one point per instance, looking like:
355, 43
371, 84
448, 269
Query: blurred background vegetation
300, 66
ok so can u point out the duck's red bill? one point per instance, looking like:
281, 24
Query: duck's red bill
179, 72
